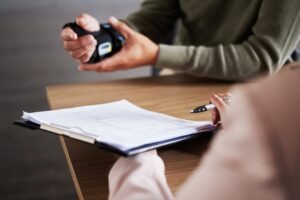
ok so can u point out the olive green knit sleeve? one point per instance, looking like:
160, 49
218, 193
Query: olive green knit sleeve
155, 19
274, 37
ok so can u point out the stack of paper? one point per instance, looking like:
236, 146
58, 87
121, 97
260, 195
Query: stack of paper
120, 126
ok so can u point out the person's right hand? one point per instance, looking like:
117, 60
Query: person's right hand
81, 48
221, 106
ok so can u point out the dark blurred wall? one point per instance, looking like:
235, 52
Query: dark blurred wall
32, 164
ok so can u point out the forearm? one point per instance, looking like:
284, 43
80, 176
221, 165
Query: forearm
234, 62
139, 177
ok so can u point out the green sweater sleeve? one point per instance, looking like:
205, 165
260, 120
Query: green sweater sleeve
155, 19
275, 35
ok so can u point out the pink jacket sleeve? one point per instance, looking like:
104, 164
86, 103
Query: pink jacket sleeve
240, 163
255, 156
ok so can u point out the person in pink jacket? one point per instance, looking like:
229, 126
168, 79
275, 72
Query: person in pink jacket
254, 156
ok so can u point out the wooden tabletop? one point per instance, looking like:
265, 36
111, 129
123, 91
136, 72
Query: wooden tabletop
175, 95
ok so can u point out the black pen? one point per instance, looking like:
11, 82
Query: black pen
207, 107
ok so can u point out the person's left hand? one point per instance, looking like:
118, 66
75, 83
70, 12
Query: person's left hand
137, 51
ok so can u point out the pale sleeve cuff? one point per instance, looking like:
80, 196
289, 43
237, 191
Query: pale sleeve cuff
139, 177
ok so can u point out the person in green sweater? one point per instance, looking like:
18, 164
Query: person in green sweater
229, 40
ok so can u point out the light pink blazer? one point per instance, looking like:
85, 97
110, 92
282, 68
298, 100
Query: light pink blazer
256, 155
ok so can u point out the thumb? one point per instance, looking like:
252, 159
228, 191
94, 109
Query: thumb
218, 102
215, 116
120, 26
88, 22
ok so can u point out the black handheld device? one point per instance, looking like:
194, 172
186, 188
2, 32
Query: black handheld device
109, 40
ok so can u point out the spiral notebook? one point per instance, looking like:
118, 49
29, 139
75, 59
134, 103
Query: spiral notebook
119, 126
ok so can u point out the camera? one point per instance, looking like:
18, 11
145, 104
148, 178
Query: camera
109, 40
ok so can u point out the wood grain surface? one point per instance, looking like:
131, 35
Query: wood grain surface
175, 95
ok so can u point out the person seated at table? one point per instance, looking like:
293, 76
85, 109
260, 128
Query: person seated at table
232, 40
254, 156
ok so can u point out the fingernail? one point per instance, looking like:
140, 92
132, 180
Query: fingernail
90, 38
73, 36
94, 42
113, 19
82, 20
80, 68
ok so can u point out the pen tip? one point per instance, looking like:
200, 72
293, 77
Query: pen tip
192, 111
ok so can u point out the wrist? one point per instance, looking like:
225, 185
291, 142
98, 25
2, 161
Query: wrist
154, 54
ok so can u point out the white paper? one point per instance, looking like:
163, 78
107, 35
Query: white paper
121, 123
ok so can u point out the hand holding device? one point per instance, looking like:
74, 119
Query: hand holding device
137, 51
109, 40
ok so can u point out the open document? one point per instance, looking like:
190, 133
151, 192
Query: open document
120, 126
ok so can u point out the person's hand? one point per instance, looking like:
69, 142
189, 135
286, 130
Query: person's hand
221, 103
81, 48
137, 51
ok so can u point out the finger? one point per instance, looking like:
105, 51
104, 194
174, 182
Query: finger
113, 63
215, 116
68, 34
88, 22
89, 49
99, 67
218, 102
80, 43
225, 96
116, 62
85, 57
120, 26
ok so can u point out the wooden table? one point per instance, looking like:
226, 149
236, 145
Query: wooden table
174, 95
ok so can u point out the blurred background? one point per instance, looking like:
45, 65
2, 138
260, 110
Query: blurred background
32, 164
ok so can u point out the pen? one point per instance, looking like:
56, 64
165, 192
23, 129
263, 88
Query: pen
207, 107
203, 108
